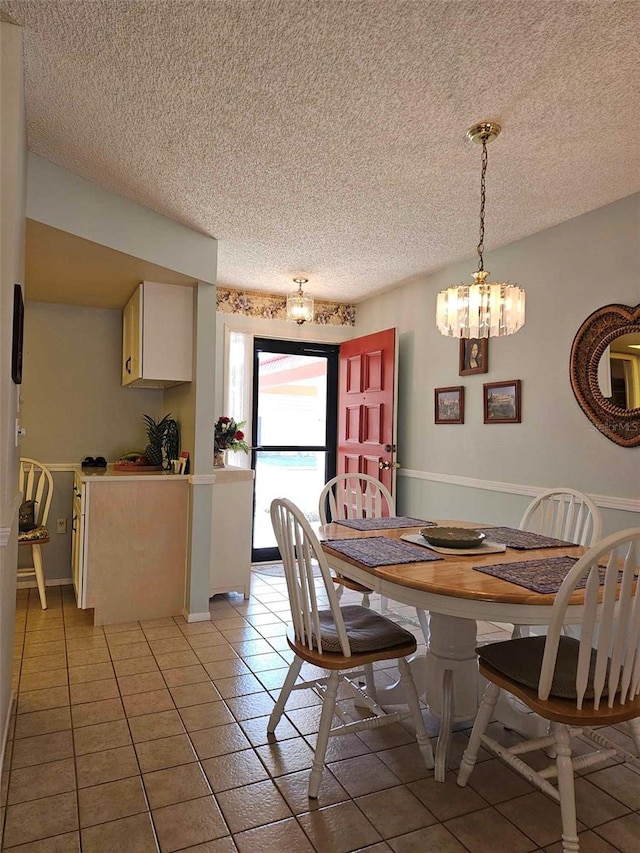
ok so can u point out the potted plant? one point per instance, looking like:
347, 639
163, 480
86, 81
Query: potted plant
227, 435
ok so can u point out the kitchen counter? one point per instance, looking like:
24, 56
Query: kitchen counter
113, 473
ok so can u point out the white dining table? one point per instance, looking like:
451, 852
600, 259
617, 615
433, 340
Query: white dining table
456, 597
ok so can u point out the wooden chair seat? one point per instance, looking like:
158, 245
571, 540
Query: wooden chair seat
337, 661
520, 660
563, 710
38, 534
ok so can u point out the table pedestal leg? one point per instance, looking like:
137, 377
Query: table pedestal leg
452, 647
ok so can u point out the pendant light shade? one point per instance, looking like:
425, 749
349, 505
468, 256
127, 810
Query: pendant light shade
483, 309
300, 304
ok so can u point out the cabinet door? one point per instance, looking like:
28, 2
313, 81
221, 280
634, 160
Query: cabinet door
132, 338
77, 541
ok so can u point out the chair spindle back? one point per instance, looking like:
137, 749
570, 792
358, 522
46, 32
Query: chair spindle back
355, 496
610, 622
299, 547
36, 484
564, 514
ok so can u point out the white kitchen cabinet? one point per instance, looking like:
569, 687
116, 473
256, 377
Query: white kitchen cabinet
157, 336
231, 526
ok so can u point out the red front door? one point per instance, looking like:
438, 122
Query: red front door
366, 410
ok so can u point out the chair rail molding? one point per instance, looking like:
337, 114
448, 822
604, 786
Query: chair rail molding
604, 501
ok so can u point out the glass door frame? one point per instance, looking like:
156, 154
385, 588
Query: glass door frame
288, 347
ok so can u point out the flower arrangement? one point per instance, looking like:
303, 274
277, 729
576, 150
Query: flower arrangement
228, 435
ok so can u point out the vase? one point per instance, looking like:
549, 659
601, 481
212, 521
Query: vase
218, 459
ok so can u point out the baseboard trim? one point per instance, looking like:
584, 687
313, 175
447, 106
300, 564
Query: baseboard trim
604, 501
51, 582
196, 617
5, 734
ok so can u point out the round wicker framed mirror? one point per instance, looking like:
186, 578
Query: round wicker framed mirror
599, 332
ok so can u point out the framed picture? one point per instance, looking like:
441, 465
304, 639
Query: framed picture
18, 334
449, 405
474, 356
502, 402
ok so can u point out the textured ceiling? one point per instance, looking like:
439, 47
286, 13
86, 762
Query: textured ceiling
327, 139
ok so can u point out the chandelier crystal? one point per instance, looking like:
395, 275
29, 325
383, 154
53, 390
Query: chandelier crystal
300, 304
483, 309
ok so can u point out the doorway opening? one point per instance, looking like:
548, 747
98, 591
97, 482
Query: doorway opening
294, 430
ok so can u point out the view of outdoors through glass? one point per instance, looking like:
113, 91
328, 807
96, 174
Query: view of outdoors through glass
292, 398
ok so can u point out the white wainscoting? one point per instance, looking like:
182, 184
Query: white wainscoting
603, 501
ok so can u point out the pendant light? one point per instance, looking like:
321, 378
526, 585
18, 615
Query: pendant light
483, 309
300, 304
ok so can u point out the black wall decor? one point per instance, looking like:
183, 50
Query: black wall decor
18, 333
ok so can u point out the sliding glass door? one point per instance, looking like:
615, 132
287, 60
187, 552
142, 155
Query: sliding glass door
295, 390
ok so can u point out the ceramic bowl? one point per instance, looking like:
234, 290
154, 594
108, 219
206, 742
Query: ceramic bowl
452, 537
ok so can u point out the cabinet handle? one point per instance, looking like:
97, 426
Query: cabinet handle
73, 523
127, 365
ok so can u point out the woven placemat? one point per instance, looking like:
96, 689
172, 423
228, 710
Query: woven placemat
382, 551
544, 576
392, 522
522, 540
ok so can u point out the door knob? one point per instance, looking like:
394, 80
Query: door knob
386, 466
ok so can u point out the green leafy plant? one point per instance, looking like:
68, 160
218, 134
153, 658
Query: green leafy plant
228, 435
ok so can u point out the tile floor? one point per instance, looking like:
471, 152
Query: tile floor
152, 736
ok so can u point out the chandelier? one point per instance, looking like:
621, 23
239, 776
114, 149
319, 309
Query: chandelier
483, 309
300, 304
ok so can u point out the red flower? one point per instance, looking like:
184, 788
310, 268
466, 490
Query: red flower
224, 419
239, 435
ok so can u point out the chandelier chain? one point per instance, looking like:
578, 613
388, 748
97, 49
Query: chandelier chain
480, 247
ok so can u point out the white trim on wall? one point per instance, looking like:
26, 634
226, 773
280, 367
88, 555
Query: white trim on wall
604, 501
69, 467
48, 582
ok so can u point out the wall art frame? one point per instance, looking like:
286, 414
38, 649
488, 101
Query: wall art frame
473, 356
449, 405
502, 402
17, 339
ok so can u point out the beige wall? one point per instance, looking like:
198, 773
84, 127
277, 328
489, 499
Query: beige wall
568, 271
73, 403
12, 241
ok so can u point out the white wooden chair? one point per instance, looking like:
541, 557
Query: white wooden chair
563, 513
336, 639
36, 484
351, 496
566, 514
575, 684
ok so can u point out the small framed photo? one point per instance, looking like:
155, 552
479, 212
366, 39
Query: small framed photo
474, 356
449, 405
502, 402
